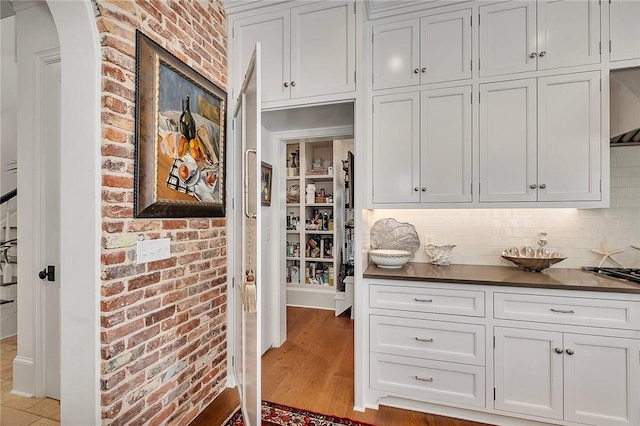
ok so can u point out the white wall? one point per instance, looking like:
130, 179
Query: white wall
8, 94
482, 234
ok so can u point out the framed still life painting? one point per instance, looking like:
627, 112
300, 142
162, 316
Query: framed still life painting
266, 176
180, 138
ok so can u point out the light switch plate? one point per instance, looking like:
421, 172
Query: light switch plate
152, 250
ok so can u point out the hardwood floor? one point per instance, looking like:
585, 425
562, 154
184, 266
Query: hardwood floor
313, 370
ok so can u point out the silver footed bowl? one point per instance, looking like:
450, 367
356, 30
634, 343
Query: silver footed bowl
530, 259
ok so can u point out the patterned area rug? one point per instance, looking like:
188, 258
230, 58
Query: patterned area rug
280, 415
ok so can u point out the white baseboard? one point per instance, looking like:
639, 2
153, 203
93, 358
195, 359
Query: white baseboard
24, 377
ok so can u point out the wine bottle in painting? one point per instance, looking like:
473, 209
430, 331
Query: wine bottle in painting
187, 123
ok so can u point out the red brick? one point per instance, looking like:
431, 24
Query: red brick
162, 416
117, 211
143, 281
143, 363
146, 415
146, 334
106, 384
111, 289
160, 289
162, 264
117, 181
188, 258
108, 321
174, 224
122, 90
110, 351
117, 197
143, 225
179, 318
112, 258
187, 327
121, 301
113, 411
112, 227
115, 105
114, 135
107, 336
143, 308
117, 151
109, 397
159, 315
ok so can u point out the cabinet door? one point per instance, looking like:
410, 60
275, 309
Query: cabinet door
396, 51
396, 148
272, 31
507, 38
624, 16
569, 138
568, 33
602, 376
446, 145
528, 372
508, 141
322, 49
445, 47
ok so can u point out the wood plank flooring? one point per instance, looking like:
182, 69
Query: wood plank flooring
313, 370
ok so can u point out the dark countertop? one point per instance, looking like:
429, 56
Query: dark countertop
555, 278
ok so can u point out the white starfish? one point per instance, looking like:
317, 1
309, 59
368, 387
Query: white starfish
606, 254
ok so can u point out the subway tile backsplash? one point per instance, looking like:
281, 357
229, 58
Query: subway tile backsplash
480, 235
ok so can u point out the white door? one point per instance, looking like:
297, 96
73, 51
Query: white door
508, 141
445, 47
624, 16
396, 54
602, 379
569, 137
323, 49
507, 38
271, 30
445, 147
396, 148
568, 33
247, 322
50, 218
528, 372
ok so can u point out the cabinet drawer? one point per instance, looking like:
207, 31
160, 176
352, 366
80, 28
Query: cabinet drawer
436, 340
431, 300
428, 380
568, 310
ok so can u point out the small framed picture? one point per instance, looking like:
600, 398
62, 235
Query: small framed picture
265, 178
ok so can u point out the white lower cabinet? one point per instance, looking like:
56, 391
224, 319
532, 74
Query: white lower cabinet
563, 376
551, 356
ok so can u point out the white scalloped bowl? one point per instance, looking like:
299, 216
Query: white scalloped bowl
390, 259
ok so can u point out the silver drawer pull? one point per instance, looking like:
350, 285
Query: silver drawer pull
424, 379
420, 339
563, 311
423, 300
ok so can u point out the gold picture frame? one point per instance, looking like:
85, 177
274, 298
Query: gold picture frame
179, 137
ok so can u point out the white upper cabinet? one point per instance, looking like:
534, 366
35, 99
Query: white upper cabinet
309, 50
540, 139
529, 36
395, 167
272, 31
508, 141
420, 51
569, 137
422, 147
323, 49
624, 29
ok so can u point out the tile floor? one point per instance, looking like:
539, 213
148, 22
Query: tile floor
16, 410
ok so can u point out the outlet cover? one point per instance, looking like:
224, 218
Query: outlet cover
152, 250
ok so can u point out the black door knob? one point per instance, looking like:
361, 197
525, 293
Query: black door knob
49, 273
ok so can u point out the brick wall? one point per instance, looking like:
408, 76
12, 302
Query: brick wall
163, 324
482, 234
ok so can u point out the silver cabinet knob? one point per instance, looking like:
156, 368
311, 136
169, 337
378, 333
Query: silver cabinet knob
533, 55
416, 71
558, 350
424, 69
543, 186
569, 351
424, 189
286, 84
543, 53
293, 83
533, 186
416, 189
